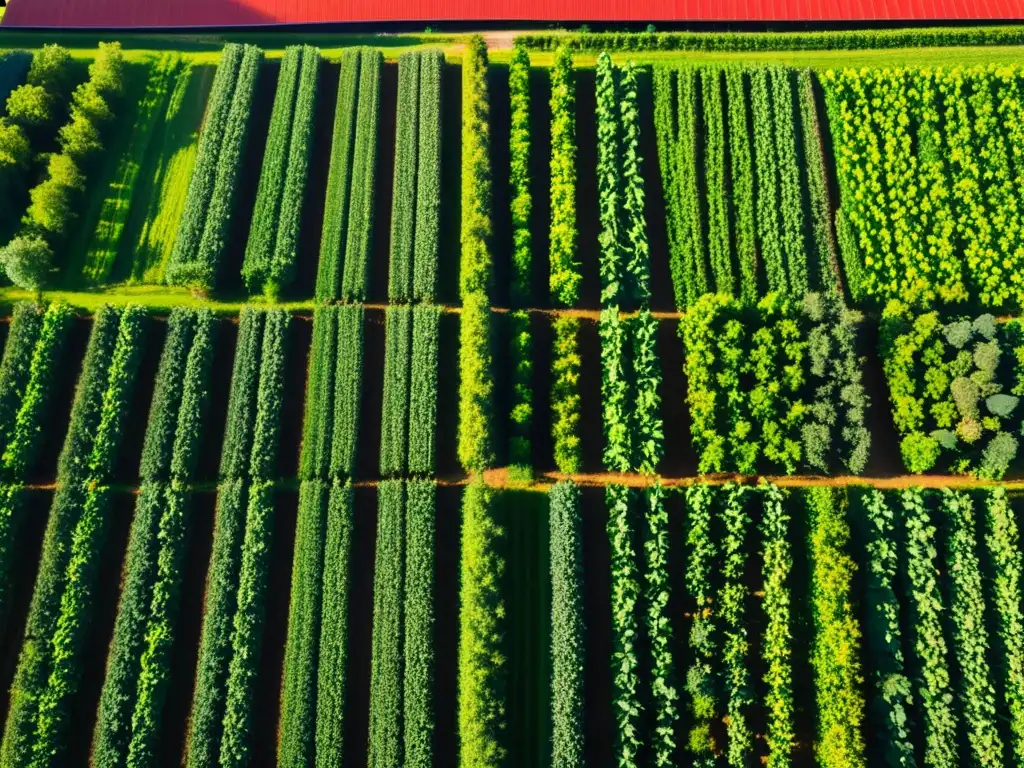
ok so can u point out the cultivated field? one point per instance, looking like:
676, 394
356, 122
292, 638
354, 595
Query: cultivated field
607, 400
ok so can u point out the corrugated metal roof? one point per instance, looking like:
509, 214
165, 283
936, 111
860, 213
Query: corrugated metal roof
185, 13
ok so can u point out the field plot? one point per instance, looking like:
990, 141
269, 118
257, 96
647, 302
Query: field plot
617, 399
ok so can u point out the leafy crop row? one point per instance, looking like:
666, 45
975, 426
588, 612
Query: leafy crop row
565, 266
736, 161
417, 182
270, 254
423, 390
568, 637
50, 664
229, 647
394, 440
835, 654
565, 394
732, 611
777, 566
348, 218
138, 664
955, 389
782, 383
659, 628
481, 715
894, 696
202, 233
519, 176
625, 587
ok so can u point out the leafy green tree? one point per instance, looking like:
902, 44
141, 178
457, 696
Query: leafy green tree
50, 68
27, 261
30, 105
51, 201
14, 147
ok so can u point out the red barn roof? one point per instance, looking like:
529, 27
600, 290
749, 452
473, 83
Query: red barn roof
191, 13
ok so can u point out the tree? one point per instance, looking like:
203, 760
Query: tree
14, 147
51, 201
107, 70
27, 260
80, 137
51, 68
30, 105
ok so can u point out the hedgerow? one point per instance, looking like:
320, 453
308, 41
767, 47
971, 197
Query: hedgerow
271, 250
565, 394
1002, 546
835, 654
568, 638
565, 266
385, 739
954, 388
211, 192
476, 451
475, 265
519, 177
481, 717
775, 41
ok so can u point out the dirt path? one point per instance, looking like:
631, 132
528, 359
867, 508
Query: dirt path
498, 40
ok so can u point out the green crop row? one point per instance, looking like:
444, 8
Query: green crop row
519, 177
565, 394
482, 665
333, 394
350, 196
955, 389
229, 646
568, 634
521, 412
625, 253
417, 184
626, 610
767, 384
835, 654
50, 664
410, 391
312, 725
749, 176
777, 651
659, 628
203, 230
270, 254
630, 379
565, 265
732, 612
138, 664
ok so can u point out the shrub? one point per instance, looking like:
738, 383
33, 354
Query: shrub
27, 261
565, 267
475, 384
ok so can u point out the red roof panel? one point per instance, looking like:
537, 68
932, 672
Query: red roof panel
198, 13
